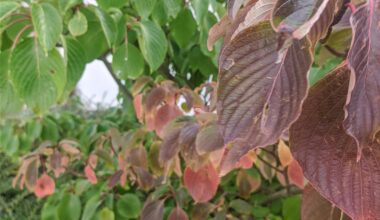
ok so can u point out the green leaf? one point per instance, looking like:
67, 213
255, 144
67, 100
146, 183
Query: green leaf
128, 63
9, 101
200, 9
108, 26
90, 207
291, 208
183, 28
75, 58
93, 34
37, 78
241, 206
69, 207
107, 4
49, 212
173, 7
159, 14
129, 206
106, 214
153, 44
78, 24
317, 73
47, 23
144, 7
65, 5
7, 7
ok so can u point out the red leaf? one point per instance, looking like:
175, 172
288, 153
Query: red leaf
137, 104
164, 115
90, 175
246, 162
256, 87
328, 156
315, 207
202, 184
178, 214
114, 179
362, 116
45, 186
154, 98
295, 174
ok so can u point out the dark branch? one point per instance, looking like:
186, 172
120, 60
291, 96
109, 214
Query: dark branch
122, 88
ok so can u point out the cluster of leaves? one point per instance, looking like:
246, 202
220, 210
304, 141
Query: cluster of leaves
181, 136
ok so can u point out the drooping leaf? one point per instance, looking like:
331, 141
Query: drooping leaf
203, 183
7, 7
94, 34
38, 79
299, 16
69, 207
362, 118
75, 58
153, 210
78, 24
153, 44
108, 26
217, 31
315, 207
209, 139
114, 179
9, 102
128, 62
295, 174
328, 156
144, 7
256, 88
178, 214
31, 174
47, 23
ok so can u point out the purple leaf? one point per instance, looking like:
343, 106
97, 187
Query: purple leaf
362, 114
260, 92
315, 207
328, 155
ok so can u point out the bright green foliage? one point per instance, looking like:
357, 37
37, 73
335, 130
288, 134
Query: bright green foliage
78, 24
47, 23
69, 207
128, 62
37, 78
153, 44
7, 7
129, 206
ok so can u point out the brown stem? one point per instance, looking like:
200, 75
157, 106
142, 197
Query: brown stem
19, 34
269, 164
122, 88
336, 53
281, 194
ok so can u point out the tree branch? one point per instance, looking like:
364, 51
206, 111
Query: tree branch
281, 194
122, 88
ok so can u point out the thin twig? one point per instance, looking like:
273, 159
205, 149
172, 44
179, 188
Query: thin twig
20, 34
122, 88
281, 194
269, 164
334, 52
